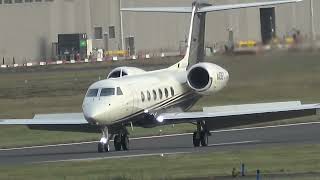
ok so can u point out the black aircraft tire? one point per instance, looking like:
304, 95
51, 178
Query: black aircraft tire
125, 142
196, 141
117, 143
204, 138
100, 147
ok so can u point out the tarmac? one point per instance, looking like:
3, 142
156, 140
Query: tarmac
232, 139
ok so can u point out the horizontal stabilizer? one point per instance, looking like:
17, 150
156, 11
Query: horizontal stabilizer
244, 5
160, 9
208, 8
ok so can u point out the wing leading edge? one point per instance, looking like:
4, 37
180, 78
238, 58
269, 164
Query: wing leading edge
236, 115
48, 119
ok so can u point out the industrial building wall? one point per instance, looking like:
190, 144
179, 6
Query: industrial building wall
160, 30
29, 29
105, 14
296, 16
155, 31
317, 18
24, 40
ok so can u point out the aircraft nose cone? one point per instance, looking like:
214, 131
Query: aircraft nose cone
92, 113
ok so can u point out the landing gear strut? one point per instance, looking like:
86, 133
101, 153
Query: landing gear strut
103, 145
121, 140
200, 137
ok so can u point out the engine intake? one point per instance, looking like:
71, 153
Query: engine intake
206, 78
198, 78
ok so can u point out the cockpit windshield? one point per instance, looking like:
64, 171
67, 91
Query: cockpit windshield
92, 93
107, 92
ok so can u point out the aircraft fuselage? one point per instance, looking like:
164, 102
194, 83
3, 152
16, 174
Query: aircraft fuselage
146, 93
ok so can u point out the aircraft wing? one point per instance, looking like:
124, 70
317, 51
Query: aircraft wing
236, 115
48, 119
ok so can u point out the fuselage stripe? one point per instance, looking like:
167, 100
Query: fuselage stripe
166, 103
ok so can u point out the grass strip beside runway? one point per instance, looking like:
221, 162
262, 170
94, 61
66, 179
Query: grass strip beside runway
270, 160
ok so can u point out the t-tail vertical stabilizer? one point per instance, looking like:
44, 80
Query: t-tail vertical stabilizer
196, 39
195, 46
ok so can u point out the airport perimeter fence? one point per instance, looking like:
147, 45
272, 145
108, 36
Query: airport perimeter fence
141, 55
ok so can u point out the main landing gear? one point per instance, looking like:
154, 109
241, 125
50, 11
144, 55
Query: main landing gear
201, 136
121, 140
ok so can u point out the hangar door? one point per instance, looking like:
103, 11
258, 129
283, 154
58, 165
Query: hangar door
267, 21
130, 45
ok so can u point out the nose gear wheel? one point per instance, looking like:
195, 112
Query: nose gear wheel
103, 145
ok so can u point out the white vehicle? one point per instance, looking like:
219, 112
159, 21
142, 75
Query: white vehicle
133, 97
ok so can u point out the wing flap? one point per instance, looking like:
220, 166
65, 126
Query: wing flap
48, 119
260, 106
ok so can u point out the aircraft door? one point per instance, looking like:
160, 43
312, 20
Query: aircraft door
135, 102
125, 101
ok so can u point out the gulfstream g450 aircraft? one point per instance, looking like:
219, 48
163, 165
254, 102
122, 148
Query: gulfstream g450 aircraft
133, 97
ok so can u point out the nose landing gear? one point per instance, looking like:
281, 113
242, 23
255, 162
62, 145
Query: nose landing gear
103, 145
121, 140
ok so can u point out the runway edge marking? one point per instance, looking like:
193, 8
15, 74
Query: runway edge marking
144, 155
114, 157
235, 143
162, 136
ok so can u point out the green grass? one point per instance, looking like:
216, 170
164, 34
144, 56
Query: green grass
275, 160
57, 89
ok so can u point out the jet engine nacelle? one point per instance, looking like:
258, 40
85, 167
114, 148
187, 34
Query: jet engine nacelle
207, 78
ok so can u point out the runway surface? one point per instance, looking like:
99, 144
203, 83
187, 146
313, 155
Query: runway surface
305, 133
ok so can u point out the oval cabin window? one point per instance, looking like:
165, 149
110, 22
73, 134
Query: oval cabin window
142, 97
172, 91
166, 93
154, 95
148, 95
160, 93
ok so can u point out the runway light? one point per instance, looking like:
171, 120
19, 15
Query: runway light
146, 111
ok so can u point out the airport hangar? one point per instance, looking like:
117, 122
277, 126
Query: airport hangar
30, 28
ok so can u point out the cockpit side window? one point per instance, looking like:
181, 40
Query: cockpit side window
92, 93
119, 92
107, 92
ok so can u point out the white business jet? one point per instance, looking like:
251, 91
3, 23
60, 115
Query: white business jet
133, 97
